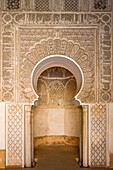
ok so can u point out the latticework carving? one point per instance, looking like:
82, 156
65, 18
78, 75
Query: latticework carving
56, 92
30, 36
13, 4
82, 38
71, 5
100, 4
59, 5
98, 135
56, 87
64, 47
42, 5
14, 134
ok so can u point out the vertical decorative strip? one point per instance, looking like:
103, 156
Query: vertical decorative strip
98, 121
14, 135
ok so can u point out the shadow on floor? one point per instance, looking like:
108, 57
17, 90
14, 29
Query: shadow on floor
54, 157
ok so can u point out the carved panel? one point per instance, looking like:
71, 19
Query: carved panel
59, 5
13, 4
8, 61
71, 5
98, 135
56, 87
83, 37
15, 129
64, 47
100, 4
42, 5
56, 93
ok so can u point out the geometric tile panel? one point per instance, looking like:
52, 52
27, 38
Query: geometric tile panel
14, 134
98, 135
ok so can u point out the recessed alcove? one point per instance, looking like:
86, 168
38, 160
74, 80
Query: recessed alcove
56, 118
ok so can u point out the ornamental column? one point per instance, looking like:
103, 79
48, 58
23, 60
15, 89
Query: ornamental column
85, 135
28, 138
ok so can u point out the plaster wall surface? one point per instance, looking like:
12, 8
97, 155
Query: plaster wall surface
40, 121
56, 121
72, 122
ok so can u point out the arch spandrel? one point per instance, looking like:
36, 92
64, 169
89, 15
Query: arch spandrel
59, 47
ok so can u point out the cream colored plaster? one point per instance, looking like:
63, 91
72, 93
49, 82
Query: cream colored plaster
72, 122
40, 122
56, 121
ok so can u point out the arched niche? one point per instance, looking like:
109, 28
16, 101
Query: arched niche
57, 61
56, 120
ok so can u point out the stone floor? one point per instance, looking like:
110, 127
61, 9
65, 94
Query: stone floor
58, 158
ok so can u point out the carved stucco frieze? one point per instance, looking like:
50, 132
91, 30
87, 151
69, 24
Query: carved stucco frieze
94, 43
8, 62
59, 5
64, 47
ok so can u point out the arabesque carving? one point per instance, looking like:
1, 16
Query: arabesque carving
85, 38
56, 87
27, 37
64, 47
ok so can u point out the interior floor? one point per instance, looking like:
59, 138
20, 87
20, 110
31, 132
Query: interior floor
55, 157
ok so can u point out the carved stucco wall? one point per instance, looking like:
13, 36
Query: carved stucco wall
56, 116
27, 45
85, 35
15, 133
56, 87
98, 135
59, 5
